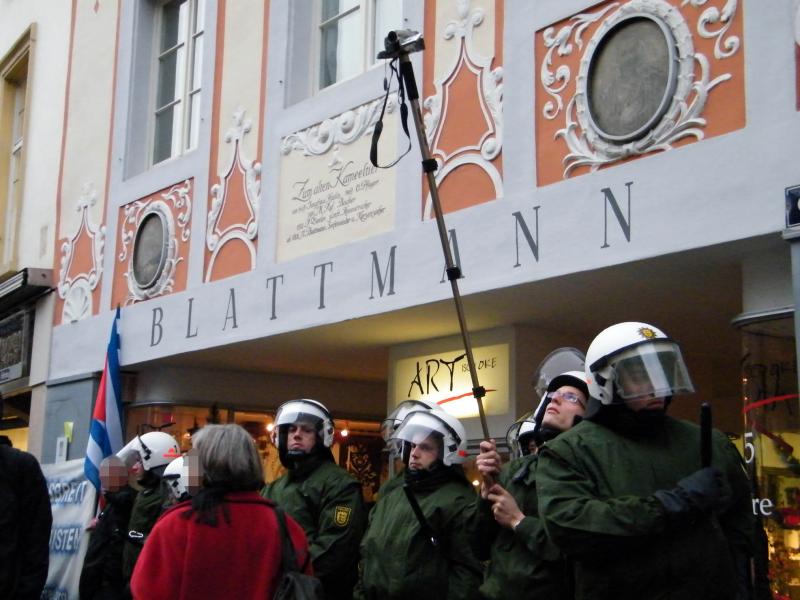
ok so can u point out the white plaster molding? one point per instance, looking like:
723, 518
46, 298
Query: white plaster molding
556, 82
76, 291
179, 196
682, 118
345, 128
490, 99
247, 232
724, 47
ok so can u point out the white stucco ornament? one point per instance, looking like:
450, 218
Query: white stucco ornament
75, 287
682, 113
242, 166
163, 281
489, 94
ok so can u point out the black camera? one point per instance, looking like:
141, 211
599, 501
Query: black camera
402, 41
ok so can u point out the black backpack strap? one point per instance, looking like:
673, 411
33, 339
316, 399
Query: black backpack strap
288, 556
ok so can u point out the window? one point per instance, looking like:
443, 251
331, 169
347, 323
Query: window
351, 33
178, 71
13, 99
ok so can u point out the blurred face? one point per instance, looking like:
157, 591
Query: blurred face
565, 403
636, 383
113, 474
191, 462
424, 454
301, 437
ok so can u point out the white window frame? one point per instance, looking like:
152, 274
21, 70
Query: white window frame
187, 135
15, 166
368, 58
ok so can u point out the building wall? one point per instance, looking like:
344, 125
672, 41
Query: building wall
48, 79
693, 196
335, 239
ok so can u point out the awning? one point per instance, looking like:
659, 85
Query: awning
23, 286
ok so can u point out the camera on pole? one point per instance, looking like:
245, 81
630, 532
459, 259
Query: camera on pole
398, 46
406, 41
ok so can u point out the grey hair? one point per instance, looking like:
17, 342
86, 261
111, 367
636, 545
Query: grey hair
228, 457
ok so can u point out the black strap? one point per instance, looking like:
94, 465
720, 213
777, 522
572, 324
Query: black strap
288, 555
376, 133
423, 523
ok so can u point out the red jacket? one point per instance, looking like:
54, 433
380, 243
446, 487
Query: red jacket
186, 560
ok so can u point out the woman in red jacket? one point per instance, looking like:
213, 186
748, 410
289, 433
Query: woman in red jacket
226, 542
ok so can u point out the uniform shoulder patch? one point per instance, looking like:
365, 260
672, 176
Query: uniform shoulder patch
341, 515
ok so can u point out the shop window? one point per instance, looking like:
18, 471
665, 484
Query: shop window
358, 446
178, 421
14, 78
15, 413
771, 446
259, 426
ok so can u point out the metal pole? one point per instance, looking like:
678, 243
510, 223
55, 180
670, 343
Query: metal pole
429, 166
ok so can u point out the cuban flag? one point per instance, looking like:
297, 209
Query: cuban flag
105, 431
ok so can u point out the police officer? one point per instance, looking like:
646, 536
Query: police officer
101, 576
321, 496
623, 492
176, 478
417, 544
151, 453
388, 427
509, 530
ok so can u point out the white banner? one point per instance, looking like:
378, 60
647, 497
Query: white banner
72, 502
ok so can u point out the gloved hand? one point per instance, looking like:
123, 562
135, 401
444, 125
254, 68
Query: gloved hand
699, 493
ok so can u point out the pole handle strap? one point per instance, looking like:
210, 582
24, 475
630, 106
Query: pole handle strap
376, 132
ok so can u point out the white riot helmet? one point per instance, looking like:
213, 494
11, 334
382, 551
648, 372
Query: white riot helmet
177, 477
421, 424
630, 360
154, 448
520, 433
394, 418
302, 411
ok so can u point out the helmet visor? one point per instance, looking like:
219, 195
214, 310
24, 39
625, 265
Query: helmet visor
300, 411
394, 418
418, 426
652, 369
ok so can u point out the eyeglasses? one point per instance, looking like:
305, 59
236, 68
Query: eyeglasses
571, 397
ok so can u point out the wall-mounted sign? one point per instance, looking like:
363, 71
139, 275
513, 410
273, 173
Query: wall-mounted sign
445, 378
333, 197
15, 343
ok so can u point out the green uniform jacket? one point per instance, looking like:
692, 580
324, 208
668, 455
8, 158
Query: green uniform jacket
595, 495
147, 507
327, 503
525, 558
398, 561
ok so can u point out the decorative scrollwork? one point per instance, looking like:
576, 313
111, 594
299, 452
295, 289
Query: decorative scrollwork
556, 82
693, 82
76, 288
489, 96
724, 47
342, 129
239, 163
179, 197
